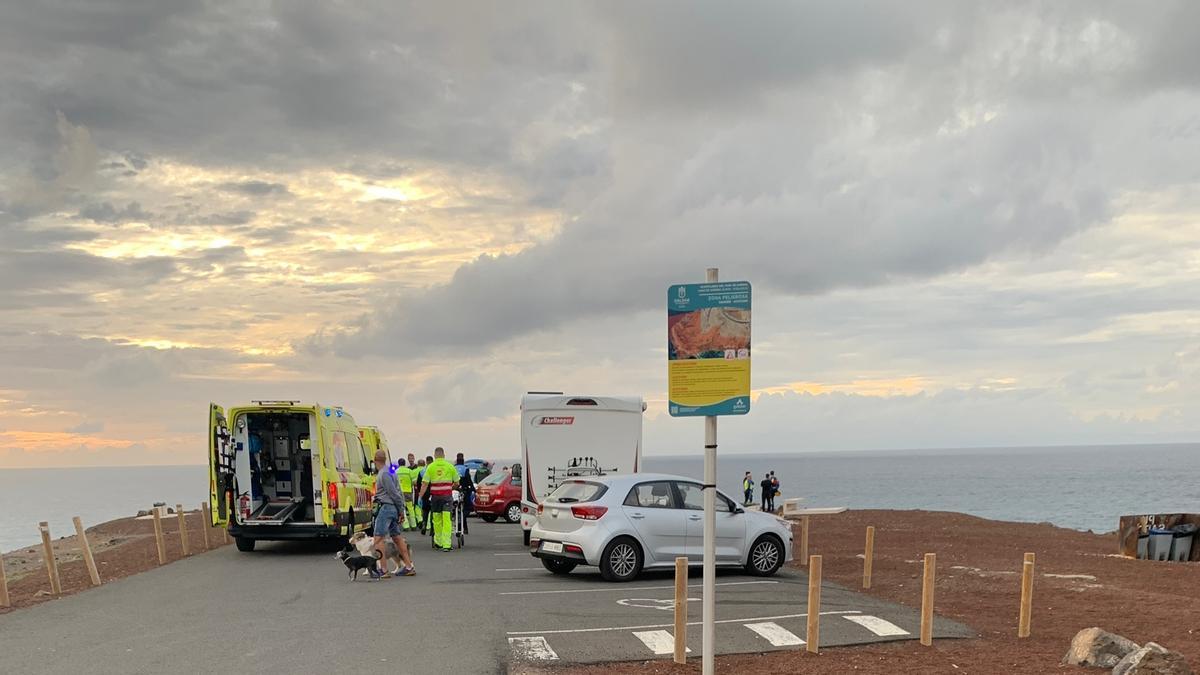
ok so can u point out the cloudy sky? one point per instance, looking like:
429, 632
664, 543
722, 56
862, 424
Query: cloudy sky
967, 224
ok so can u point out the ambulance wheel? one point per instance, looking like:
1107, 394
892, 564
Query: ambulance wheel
526, 537
488, 517
243, 544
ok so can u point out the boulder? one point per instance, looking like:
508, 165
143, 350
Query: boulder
1098, 647
1153, 659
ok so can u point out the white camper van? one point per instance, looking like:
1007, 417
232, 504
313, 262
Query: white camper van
567, 436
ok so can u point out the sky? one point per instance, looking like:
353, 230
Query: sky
967, 224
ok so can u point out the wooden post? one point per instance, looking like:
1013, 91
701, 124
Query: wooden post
803, 540
681, 609
183, 539
814, 603
927, 599
1026, 596
86, 549
51, 561
158, 537
205, 523
869, 556
4, 601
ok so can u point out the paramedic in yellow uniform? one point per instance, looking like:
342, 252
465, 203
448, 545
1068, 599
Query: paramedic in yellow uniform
404, 475
440, 480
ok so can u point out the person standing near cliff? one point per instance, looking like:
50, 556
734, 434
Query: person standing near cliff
748, 489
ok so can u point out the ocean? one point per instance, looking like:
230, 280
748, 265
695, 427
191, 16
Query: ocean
1084, 488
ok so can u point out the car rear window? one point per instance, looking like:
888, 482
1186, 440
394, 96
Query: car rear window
494, 479
578, 491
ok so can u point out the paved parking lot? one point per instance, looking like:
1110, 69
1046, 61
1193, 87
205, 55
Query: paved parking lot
289, 607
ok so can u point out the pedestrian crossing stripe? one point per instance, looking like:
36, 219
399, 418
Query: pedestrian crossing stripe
658, 641
532, 649
777, 635
876, 625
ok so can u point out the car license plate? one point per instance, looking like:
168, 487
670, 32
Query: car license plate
552, 547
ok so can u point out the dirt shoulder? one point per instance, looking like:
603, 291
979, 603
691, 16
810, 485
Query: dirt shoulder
121, 548
1080, 582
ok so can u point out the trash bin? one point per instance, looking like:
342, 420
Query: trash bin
1143, 546
1181, 544
1160, 543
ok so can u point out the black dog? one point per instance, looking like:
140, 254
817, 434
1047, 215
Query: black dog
355, 563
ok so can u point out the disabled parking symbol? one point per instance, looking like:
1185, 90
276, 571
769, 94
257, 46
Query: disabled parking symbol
652, 603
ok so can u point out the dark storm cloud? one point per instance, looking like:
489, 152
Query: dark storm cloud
256, 188
104, 212
44, 275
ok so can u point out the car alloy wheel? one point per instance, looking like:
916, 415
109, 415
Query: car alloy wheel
765, 556
513, 514
622, 559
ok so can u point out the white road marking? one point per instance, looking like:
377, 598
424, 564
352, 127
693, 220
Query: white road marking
666, 604
520, 569
659, 641
510, 554
671, 625
877, 625
639, 588
777, 635
532, 649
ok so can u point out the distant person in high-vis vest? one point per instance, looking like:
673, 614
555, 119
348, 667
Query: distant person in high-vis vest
404, 475
440, 480
748, 488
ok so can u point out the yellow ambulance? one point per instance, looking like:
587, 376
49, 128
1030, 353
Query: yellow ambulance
373, 439
285, 470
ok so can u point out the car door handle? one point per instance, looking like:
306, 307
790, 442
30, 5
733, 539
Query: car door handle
636, 516
695, 517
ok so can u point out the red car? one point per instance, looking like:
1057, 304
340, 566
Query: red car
499, 496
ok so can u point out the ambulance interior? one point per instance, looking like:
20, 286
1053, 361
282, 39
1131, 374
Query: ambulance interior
276, 456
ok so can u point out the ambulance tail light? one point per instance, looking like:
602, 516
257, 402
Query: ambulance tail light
539, 511
333, 496
589, 512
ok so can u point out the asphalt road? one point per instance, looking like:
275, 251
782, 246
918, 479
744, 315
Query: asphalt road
289, 608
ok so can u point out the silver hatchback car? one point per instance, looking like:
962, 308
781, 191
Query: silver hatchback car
624, 524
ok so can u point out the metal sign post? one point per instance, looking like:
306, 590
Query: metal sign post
709, 629
708, 373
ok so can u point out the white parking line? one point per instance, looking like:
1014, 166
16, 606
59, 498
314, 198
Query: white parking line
670, 625
777, 635
521, 569
878, 626
631, 588
659, 641
531, 649
510, 554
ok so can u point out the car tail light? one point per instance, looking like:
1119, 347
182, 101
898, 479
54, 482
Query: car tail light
333, 500
572, 548
589, 512
539, 509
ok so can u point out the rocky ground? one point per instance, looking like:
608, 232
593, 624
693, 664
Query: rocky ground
120, 547
1080, 582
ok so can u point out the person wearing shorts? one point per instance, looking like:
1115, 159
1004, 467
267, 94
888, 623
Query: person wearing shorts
387, 520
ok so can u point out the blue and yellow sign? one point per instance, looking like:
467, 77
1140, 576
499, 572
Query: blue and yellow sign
708, 349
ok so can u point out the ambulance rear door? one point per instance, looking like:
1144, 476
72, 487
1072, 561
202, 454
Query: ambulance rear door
222, 476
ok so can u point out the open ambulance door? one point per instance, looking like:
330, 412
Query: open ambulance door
223, 491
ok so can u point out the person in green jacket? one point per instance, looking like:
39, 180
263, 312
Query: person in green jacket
404, 475
440, 480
